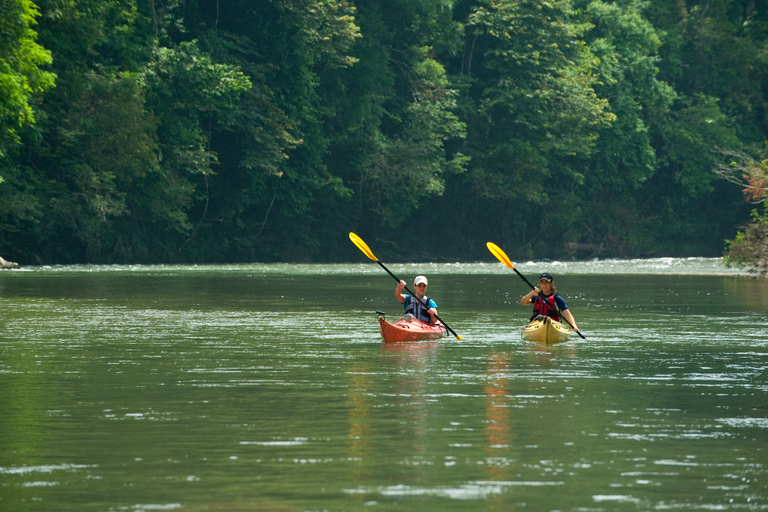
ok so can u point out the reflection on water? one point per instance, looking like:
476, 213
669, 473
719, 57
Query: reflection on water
498, 432
267, 388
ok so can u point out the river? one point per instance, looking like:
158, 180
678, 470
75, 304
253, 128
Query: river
267, 388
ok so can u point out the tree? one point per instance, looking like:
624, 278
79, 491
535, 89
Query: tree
403, 169
749, 250
626, 47
393, 118
208, 131
22, 77
533, 117
272, 169
68, 182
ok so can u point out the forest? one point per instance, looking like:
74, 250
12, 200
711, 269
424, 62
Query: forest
212, 131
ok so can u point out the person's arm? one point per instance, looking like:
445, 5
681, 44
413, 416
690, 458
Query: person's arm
399, 292
568, 316
432, 310
528, 298
564, 311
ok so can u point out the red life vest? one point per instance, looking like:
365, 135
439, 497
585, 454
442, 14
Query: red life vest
541, 308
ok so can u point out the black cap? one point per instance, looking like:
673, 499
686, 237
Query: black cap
547, 276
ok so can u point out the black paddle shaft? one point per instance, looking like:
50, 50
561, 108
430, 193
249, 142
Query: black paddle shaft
549, 304
413, 296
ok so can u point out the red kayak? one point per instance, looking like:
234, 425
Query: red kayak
410, 329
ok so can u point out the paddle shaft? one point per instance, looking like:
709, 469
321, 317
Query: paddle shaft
549, 304
413, 296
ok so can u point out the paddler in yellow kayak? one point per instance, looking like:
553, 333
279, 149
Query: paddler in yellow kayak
415, 306
555, 304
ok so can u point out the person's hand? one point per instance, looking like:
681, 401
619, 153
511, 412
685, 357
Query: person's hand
401, 284
536, 290
432, 311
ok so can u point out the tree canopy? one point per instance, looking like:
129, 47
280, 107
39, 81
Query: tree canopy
266, 130
22, 77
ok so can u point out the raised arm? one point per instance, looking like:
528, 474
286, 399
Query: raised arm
399, 292
528, 298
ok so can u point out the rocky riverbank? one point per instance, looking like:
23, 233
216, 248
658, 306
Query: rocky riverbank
8, 264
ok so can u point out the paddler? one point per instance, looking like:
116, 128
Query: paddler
416, 307
554, 305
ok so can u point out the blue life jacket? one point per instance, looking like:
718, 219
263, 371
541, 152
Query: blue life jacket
417, 309
551, 310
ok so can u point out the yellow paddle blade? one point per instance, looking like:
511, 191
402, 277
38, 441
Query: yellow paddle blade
500, 255
362, 246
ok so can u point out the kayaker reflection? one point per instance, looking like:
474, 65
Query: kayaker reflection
416, 307
547, 302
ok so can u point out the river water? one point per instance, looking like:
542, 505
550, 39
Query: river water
267, 388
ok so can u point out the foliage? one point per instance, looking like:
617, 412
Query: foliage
540, 76
724, 48
268, 129
749, 173
22, 76
749, 250
626, 47
405, 168
533, 119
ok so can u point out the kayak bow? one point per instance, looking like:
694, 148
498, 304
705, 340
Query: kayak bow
408, 328
543, 329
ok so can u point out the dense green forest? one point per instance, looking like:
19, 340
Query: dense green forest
266, 130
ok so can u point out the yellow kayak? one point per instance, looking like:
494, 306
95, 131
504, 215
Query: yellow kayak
546, 330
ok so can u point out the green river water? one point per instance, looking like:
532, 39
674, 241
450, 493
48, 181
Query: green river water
267, 388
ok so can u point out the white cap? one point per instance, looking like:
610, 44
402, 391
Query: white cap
419, 280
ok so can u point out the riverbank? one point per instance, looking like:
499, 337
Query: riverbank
8, 264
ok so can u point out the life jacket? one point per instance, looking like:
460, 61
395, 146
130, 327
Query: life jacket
542, 309
417, 309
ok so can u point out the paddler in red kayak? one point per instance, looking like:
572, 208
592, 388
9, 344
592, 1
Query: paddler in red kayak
416, 307
546, 291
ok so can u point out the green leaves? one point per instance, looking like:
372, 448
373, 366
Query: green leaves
22, 76
184, 82
404, 169
540, 79
328, 27
749, 250
206, 130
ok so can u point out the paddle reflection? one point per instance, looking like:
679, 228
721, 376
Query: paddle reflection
498, 433
360, 409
